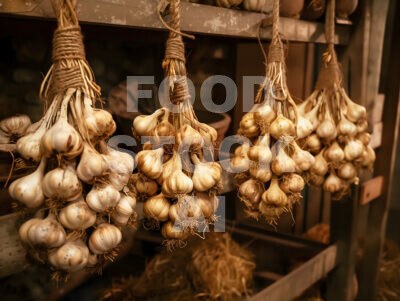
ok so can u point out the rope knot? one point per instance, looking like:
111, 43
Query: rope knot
68, 44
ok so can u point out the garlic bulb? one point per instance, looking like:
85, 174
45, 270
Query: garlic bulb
251, 190
334, 153
248, 125
367, 157
62, 183
186, 210
170, 166
316, 180
362, 126
207, 205
304, 127
15, 125
92, 164
189, 136
143, 185
101, 198
105, 238
206, 174
70, 257
261, 152
354, 112
312, 117
77, 216
333, 183
28, 190
347, 171
47, 233
294, 183
282, 126
257, 5
264, 114
241, 162
353, 149
170, 231
150, 162
210, 134
123, 210
313, 144
157, 207
100, 123
260, 172
145, 124
364, 137
346, 128
29, 146
177, 184
274, 195
320, 166
282, 162
303, 159
327, 128
121, 166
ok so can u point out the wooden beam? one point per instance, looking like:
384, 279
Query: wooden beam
296, 282
201, 19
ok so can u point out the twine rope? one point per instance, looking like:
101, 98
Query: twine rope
276, 50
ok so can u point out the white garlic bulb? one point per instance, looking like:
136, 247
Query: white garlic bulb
150, 162
145, 124
261, 152
353, 149
156, 207
91, 164
105, 238
124, 210
101, 198
15, 125
29, 146
70, 257
77, 216
206, 174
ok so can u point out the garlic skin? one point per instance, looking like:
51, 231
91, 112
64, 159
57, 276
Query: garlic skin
304, 127
170, 231
294, 183
209, 132
334, 153
46, 233
327, 128
4, 139
364, 137
251, 190
264, 114
207, 205
105, 238
354, 112
100, 124
367, 158
303, 159
77, 216
63, 184
145, 124
283, 163
29, 146
282, 126
248, 125
91, 165
320, 166
28, 190
177, 184
346, 128
260, 172
316, 180
70, 257
313, 144
150, 162
124, 210
206, 174
15, 125
142, 186
333, 183
101, 198
186, 210
189, 136
240, 161
274, 195
353, 150
261, 152
362, 126
157, 207
121, 166
347, 171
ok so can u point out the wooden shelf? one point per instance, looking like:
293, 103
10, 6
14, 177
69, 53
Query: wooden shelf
196, 18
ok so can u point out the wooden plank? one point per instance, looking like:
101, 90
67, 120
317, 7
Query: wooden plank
12, 253
313, 211
297, 281
208, 20
371, 190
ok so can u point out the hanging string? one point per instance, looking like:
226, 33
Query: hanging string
275, 53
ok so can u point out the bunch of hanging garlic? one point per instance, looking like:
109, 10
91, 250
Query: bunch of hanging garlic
270, 162
177, 184
13, 128
79, 191
339, 141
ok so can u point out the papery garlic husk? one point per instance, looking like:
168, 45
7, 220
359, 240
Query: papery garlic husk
354, 112
260, 172
207, 204
206, 174
162, 132
29, 146
145, 124
333, 183
173, 214
63, 184
316, 180
362, 126
346, 127
210, 134
188, 211
91, 165
313, 144
264, 114
248, 125
170, 166
189, 136
150, 162
270, 211
353, 149
171, 231
251, 191
102, 198
312, 117
28, 190
240, 162
334, 153
364, 137
177, 184
304, 127
124, 210
367, 157
15, 125
274, 195
327, 128
70, 257
44, 233
261, 152
23, 230
147, 146
283, 163
157, 207
282, 126
347, 171
104, 238
320, 166
143, 185
303, 159
77, 216
293, 183
100, 125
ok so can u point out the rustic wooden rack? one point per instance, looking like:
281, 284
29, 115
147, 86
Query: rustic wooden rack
362, 46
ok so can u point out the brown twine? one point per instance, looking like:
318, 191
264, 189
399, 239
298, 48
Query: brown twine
276, 51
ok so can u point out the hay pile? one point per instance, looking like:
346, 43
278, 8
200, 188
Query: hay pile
389, 273
216, 268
